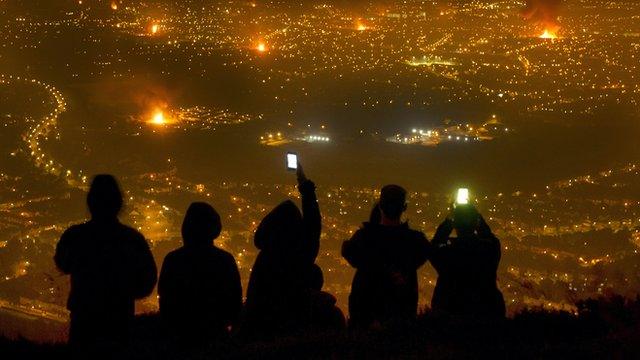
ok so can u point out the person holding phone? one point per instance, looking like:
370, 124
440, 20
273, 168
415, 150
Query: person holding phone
284, 292
467, 265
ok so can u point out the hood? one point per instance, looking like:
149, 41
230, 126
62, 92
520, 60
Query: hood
280, 228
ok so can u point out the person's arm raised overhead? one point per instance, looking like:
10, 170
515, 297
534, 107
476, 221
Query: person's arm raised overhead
63, 256
492, 242
441, 237
483, 228
311, 219
439, 245
145, 272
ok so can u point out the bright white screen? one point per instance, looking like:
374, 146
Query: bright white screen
463, 196
292, 161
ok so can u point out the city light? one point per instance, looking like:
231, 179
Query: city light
155, 28
114, 5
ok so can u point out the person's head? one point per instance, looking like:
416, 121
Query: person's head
393, 202
201, 224
465, 219
281, 228
105, 198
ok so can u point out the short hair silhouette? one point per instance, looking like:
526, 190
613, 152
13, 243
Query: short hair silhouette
105, 198
201, 224
393, 201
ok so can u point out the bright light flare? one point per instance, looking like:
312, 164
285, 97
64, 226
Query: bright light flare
114, 5
154, 29
158, 118
361, 26
462, 197
548, 34
261, 47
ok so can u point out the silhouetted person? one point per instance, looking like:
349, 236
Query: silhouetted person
467, 267
386, 255
110, 266
199, 288
284, 280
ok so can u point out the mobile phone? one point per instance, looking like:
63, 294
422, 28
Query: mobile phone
462, 198
292, 161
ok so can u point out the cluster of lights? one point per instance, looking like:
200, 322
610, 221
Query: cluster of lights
466, 132
316, 138
196, 117
42, 130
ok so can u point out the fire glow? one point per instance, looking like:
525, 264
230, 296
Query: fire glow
261, 47
159, 117
548, 34
361, 26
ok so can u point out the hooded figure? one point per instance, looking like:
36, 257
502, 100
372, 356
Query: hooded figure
199, 288
110, 266
467, 267
284, 280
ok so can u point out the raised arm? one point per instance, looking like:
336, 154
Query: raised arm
440, 247
443, 232
311, 218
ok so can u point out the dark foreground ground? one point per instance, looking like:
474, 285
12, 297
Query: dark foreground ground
606, 328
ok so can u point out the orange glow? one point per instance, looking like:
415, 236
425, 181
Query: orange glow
114, 6
261, 47
361, 26
158, 118
154, 29
548, 34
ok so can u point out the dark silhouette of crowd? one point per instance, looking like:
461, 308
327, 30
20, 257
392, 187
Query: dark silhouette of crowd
199, 288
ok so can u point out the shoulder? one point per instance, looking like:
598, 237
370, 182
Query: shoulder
131, 233
75, 231
224, 255
172, 257
361, 233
